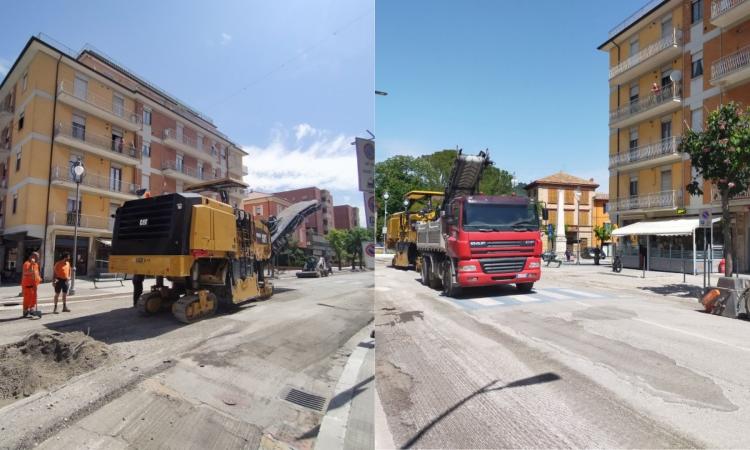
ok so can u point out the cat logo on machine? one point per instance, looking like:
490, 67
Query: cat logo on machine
143, 222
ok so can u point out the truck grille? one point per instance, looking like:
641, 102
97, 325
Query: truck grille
502, 265
501, 248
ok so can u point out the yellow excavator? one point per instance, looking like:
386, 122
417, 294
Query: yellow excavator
213, 254
401, 234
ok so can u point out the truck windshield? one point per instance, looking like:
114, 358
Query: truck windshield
498, 217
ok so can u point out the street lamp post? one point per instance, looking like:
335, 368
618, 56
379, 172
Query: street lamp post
77, 171
386, 196
578, 227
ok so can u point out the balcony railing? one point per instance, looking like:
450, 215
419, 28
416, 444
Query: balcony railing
189, 171
719, 7
730, 63
654, 150
105, 104
96, 140
664, 199
84, 221
169, 133
662, 44
666, 94
95, 181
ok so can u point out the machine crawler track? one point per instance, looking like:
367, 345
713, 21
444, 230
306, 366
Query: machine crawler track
192, 308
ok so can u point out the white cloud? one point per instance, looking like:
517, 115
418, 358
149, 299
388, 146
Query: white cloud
328, 161
4, 67
226, 38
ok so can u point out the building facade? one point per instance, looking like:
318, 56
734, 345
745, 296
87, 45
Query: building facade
601, 214
263, 205
345, 217
578, 210
60, 108
321, 222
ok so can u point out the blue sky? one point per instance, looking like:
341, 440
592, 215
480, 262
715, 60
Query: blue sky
522, 78
291, 81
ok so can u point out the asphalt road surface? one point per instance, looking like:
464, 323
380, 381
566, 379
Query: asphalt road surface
224, 382
573, 364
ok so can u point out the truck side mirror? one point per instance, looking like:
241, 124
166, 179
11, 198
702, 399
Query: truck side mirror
545, 214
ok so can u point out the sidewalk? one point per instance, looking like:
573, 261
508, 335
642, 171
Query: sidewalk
84, 289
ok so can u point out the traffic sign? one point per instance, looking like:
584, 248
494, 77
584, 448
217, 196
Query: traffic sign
704, 220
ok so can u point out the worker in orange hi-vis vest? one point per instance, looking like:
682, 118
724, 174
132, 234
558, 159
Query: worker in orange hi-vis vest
30, 279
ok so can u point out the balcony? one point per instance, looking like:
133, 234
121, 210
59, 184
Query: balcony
6, 114
85, 222
725, 13
666, 100
652, 57
95, 184
186, 145
99, 106
660, 152
245, 170
103, 146
731, 69
665, 200
186, 174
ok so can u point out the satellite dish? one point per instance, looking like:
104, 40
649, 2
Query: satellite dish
675, 76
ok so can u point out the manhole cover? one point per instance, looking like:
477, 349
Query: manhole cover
304, 399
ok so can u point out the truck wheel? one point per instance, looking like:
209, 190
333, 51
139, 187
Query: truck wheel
450, 288
425, 272
525, 287
436, 282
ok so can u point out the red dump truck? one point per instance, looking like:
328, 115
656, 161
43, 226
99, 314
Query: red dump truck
479, 240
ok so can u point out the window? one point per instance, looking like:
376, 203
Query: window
200, 170
633, 92
18, 160
666, 128
633, 186
115, 179
117, 140
697, 65
666, 27
665, 77
633, 47
696, 119
666, 180
199, 142
696, 11
180, 162
146, 149
25, 82
79, 127
146, 182
633, 138
118, 105
21, 120
81, 88
15, 202
147, 117
259, 210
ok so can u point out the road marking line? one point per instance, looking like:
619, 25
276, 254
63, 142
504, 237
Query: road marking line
699, 336
582, 294
69, 302
581, 303
487, 301
554, 295
524, 298
382, 288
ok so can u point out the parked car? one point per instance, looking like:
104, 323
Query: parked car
590, 252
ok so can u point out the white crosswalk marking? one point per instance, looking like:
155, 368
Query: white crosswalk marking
581, 294
524, 298
487, 301
554, 295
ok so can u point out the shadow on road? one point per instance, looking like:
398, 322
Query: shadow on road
348, 395
119, 325
537, 379
679, 290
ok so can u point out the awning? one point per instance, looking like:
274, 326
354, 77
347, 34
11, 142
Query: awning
673, 227
105, 242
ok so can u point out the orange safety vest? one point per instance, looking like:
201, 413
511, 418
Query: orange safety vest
30, 276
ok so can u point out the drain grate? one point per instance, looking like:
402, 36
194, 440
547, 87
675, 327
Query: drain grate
304, 399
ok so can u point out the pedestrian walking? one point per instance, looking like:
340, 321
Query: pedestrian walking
137, 287
62, 281
30, 279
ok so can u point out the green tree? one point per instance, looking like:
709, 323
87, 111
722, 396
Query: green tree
338, 240
604, 234
355, 238
721, 156
494, 181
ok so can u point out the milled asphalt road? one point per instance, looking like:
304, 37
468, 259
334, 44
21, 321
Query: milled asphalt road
587, 360
217, 383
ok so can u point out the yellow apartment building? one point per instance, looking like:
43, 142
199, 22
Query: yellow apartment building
578, 197
56, 109
670, 63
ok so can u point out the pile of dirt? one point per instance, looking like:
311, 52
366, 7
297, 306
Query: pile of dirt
46, 359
